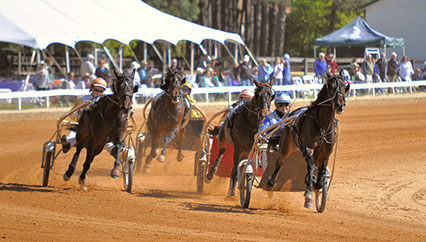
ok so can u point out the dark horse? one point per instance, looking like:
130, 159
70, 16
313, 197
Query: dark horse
239, 128
313, 134
167, 117
103, 121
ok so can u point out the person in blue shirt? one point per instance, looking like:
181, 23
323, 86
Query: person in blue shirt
282, 105
320, 66
265, 71
287, 70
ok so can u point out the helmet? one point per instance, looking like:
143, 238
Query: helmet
99, 82
246, 93
187, 85
282, 98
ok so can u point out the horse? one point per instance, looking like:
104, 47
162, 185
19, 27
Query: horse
313, 133
239, 128
167, 117
103, 121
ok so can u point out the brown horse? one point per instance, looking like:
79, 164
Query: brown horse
239, 128
167, 117
104, 121
313, 134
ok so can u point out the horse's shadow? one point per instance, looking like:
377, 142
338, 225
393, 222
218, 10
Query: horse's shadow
16, 187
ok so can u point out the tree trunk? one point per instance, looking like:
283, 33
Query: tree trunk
257, 16
250, 25
280, 29
272, 28
225, 15
264, 29
203, 12
333, 16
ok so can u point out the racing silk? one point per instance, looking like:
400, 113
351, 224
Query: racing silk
271, 119
75, 116
232, 107
188, 100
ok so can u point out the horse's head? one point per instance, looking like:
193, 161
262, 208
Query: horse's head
123, 88
336, 90
172, 84
263, 95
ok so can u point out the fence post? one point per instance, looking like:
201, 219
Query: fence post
19, 103
47, 102
306, 65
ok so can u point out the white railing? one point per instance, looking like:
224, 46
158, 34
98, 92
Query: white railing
310, 88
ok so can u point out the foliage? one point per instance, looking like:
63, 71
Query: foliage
186, 9
310, 19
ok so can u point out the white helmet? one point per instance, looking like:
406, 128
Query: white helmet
282, 98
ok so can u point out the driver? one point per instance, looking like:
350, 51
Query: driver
187, 89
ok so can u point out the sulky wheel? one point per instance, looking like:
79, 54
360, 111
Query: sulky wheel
321, 196
128, 168
245, 176
201, 169
140, 150
48, 156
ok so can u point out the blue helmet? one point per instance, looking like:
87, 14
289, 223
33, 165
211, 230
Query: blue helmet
282, 98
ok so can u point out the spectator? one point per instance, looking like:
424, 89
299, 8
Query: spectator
209, 79
358, 77
419, 75
320, 66
393, 68
244, 73
69, 83
264, 72
102, 71
234, 74
143, 74
405, 69
84, 82
368, 68
381, 63
174, 64
278, 71
287, 70
424, 69
42, 80
88, 67
331, 62
135, 66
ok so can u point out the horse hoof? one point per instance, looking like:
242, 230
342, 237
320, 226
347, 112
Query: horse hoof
83, 184
66, 178
270, 184
115, 173
209, 176
308, 203
161, 158
180, 157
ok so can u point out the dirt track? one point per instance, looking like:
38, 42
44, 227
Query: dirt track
378, 192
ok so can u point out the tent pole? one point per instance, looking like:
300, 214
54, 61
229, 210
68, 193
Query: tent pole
120, 57
251, 55
384, 49
192, 58
20, 60
315, 51
215, 50
111, 58
403, 50
55, 62
236, 51
133, 53
203, 50
67, 59
183, 57
78, 54
165, 64
169, 55
158, 53
145, 52
334, 52
229, 52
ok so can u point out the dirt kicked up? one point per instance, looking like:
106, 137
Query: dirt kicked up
378, 192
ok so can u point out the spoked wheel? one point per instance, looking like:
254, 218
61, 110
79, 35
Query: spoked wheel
140, 150
128, 169
245, 190
200, 175
47, 166
321, 196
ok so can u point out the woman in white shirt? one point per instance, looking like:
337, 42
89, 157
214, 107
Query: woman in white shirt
278, 71
405, 69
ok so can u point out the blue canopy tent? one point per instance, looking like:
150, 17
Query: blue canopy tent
358, 33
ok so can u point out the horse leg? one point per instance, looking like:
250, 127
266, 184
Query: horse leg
152, 154
91, 153
71, 167
285, 151
213, 169
180, 155
115, 172
233, 179
167, 140
308, 154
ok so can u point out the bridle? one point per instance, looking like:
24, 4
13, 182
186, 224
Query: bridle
334, 98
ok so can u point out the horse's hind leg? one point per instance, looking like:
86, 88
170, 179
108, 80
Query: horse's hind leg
71, 167
285, 151
233, 179
213, 169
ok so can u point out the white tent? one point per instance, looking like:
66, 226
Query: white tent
38, 23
